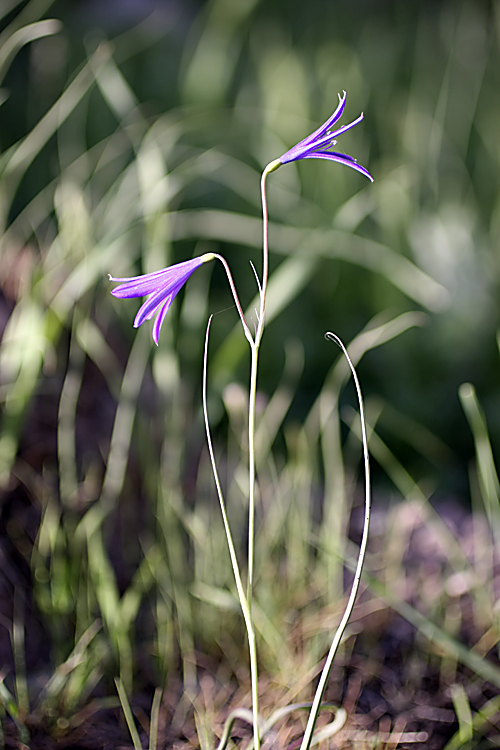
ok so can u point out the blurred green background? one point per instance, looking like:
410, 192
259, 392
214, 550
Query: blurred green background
133, 135
219, 89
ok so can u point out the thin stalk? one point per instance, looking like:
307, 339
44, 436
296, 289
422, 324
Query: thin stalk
320, 690
232, 286
254, 345
245, 607
246, 601
271, 167
251, 469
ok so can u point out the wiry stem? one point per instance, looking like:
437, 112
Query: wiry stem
251, 469
246, 601
311, 722
246, 329
271, 167
245, 606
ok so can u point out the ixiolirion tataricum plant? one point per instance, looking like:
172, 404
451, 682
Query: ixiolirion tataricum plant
160, 288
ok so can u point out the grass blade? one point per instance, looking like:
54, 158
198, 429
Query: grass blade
463, 712
487, 474
127, 712
24, 36
155, 719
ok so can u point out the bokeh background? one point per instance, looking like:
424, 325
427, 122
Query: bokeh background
133, 134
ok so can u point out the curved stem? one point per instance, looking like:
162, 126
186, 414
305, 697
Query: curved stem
311, 722
271, 167
235, 297
245, 607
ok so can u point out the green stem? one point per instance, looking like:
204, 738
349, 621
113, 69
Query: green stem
246, 329
271, 167
251, 537
251, 469
255, 683
254, 345
251, 448
246, 601
245, 606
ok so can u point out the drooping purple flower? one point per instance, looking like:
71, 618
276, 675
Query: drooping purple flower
317, 145
160, 287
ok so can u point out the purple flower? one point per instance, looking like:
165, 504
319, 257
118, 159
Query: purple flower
160, 287
317, 145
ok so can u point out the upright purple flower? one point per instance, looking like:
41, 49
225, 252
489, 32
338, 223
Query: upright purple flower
317, 145
160, 287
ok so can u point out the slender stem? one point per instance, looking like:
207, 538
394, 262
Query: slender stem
246, 601
271, 167
235, 297
245, 607
254, 345
265, 255
311, 722
251, 469
255, 683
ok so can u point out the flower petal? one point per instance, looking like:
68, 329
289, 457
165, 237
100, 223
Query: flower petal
160, 289
340, 159
151, 306
317, 145
326, 125
150, 283
161, 317
347, 127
